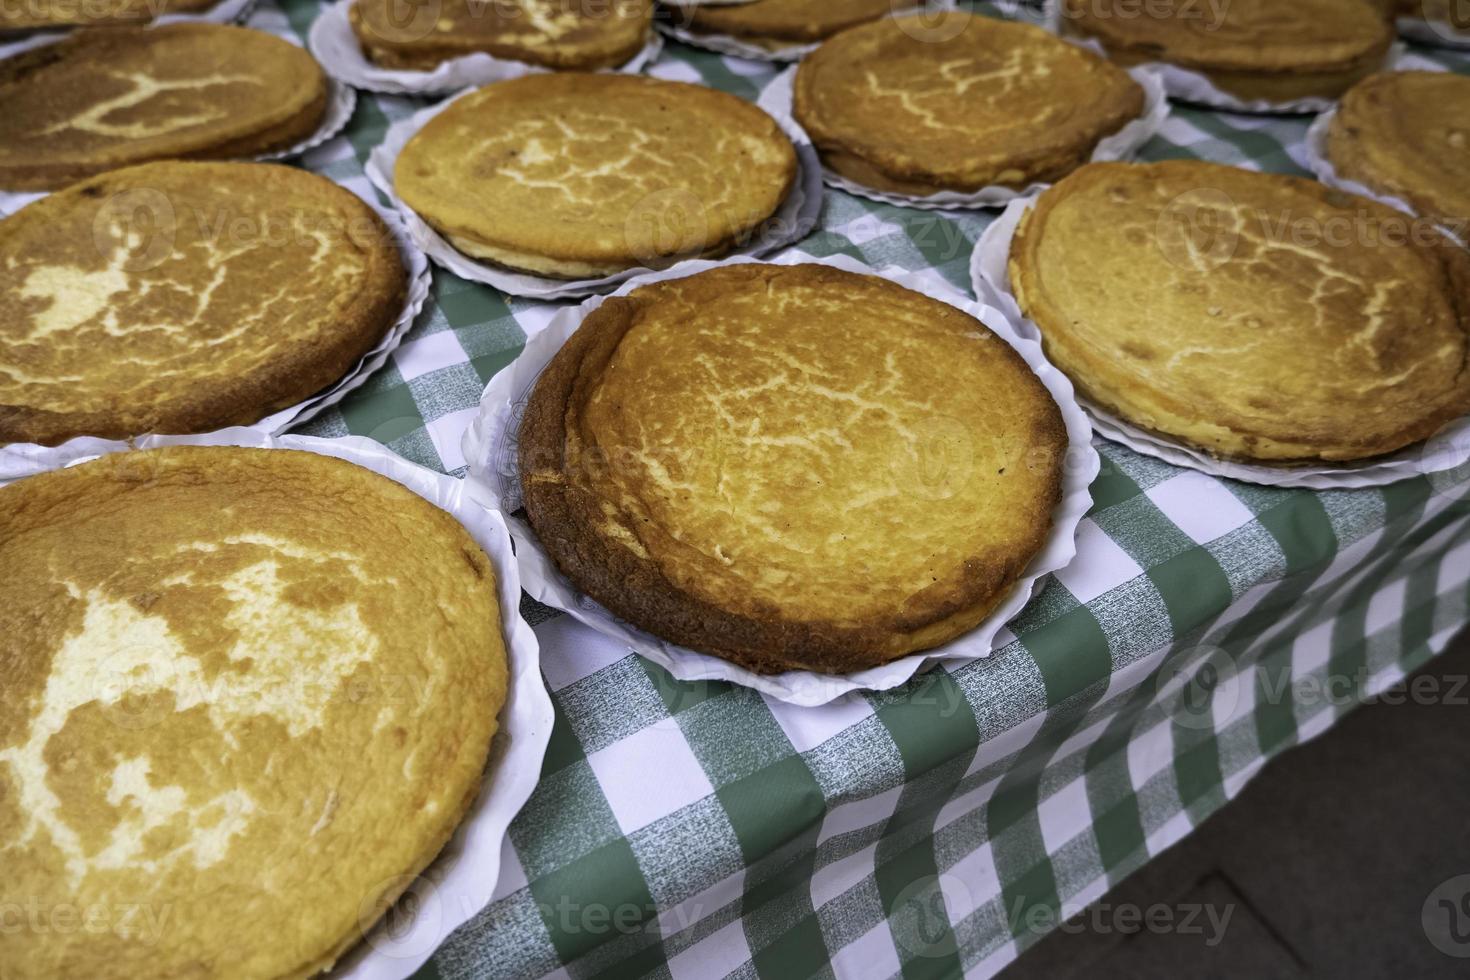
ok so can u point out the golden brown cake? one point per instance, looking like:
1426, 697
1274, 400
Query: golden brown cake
104, 99
581, 35
572, 175
1254, 316
1253, 49
184, 297
777, 24
926, 104
1407, 135
791, 467
38, 14
249, 695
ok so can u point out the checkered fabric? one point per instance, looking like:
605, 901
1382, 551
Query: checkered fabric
698, 830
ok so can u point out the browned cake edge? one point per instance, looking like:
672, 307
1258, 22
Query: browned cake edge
567, 519
1451, 262
1351, 158
430, 53
247, 399
897, 172
51, 175
60, 483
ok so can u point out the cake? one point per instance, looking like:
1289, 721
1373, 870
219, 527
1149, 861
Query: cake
575, 175
791, 467
958, 102
185, 297
108, 98
1407, 135
249, 697
580, 35
1252, 49
1256, 317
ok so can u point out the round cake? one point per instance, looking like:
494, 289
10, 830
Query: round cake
184, 297
958, 102
582, 35
572, 175
777, 24
791, 467
1254, 316
39, 14
1254, 49
249, 696
1407, 135
105, 99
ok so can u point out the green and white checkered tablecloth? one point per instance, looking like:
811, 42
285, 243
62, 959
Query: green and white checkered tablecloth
697, 830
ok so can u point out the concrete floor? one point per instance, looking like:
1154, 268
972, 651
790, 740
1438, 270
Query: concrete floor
1330, 863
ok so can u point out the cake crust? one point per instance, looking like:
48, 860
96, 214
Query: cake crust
572, 175
109, 98
1254, 49
1407, 135
1257, 317
221, 681
738, 461
36, 15
957, 103
580, 35
186, 297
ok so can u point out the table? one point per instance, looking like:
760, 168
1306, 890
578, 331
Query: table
699, 830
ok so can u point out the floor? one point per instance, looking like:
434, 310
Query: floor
1338, 861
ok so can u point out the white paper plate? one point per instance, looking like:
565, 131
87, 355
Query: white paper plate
1122, 145
24, 459
1448, 449
1314, 154
341, 101
224, 12
335, 45
490, 450
792, 222
1191, 86
462, 878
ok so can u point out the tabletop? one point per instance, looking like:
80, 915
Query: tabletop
699, 829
